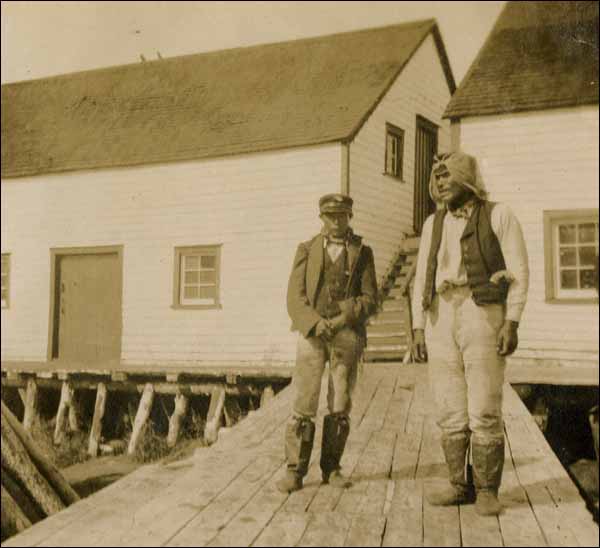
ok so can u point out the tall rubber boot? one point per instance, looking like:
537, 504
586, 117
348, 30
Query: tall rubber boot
299, 440
335, 433
460, 490
488, 463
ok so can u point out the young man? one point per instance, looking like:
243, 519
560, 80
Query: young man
331, 293
470, 290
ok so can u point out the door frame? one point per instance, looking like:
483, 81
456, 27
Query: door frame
427, 125
55, 255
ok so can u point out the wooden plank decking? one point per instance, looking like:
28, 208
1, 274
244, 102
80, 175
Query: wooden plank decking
225, 495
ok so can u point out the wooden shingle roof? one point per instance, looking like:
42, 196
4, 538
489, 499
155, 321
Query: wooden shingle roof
258, 98
539, 55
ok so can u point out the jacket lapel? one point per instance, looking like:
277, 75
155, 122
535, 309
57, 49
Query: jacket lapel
354, 248
314, 268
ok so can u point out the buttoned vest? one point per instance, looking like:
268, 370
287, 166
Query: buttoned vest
333, 284
481, 254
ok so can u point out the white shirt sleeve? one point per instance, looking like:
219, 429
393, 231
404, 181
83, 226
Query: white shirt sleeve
508, 230
418, 314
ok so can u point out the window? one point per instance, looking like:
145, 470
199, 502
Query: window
394, 151
197, 272
5, 279
571, 255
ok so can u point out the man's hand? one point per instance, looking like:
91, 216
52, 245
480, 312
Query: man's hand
337, 323
419, 347
507, 338
323, 330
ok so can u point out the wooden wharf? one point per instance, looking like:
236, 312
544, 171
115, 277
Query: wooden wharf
225, 495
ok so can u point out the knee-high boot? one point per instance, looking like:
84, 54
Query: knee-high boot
335, 433
460, 490
299, 439
488, 463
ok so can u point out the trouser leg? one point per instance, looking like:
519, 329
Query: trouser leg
344, 355
484, 370
300, 430
449, 389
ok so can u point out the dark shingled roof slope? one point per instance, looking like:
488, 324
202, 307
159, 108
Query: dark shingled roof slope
539, 55
258, 98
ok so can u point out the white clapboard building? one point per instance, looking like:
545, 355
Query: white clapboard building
528, 110
150, 212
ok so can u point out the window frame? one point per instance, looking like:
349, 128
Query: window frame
213, 250
5, 303
552, 220
397, 133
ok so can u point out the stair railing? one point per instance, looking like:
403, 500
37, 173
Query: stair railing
406, 293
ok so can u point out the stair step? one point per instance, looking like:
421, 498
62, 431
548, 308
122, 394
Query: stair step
387, 348
396, 356
393, 305
385, 334
387, 318
385, 342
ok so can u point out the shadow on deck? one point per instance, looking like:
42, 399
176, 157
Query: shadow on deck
225, 495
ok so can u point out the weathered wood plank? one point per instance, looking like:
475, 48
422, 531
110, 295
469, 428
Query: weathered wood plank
247, 525
326, 529
404, 525
365, 531
285, 529
518, 525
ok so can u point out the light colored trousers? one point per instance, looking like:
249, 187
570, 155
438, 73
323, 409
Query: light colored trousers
342, 353
466, 372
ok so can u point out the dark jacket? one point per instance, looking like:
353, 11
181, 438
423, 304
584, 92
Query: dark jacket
306, 280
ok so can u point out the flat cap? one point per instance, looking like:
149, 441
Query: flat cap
335, 203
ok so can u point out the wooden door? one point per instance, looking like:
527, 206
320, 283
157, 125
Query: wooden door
425, 150
89, 307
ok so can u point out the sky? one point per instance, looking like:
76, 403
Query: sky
46, 38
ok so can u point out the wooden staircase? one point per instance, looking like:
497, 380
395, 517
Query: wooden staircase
389, 333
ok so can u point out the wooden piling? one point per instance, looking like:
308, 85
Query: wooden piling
214, 418
181, 407
66, 397
267, 395
31, 405
96, 430
232, 410
141, 417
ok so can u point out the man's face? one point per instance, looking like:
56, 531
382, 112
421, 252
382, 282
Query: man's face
336, 224
450, 191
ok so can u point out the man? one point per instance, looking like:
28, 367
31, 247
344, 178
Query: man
470, 290
332, 291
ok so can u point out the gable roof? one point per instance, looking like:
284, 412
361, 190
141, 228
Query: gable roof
258, 98
539, 55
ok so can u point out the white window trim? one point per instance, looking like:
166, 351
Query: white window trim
552, 221
179, 300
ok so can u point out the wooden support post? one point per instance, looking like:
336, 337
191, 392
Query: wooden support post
267, 395
181, 407
16, 460
215, 416
66, 395
23, 395
13, 519
232, 409
50, 472
96, 430
31, 405
141, 417
75, 413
